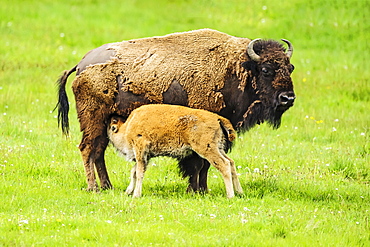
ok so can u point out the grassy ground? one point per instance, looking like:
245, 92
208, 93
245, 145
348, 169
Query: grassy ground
306, 184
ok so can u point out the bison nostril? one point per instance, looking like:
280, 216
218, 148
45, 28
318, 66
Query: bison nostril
286, 98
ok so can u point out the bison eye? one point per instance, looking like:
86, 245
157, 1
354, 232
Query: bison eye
267, 70
291, 68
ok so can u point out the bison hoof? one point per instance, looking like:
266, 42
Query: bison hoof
96, 189
106, 186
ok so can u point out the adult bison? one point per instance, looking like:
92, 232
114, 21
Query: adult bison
247, 82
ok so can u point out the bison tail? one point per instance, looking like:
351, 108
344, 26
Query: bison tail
63, 105
228, 132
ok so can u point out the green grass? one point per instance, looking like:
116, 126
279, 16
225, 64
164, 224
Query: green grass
306, 184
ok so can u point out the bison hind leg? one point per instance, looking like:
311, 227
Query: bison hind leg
92, 147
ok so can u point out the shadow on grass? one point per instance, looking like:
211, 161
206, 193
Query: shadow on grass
257, 187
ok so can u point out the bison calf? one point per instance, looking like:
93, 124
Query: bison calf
175, 131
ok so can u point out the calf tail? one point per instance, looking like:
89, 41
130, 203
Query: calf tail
63, 105
228, 132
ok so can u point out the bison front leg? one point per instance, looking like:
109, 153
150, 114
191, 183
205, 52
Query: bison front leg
92, 149
196, 169
191, 167
203, 176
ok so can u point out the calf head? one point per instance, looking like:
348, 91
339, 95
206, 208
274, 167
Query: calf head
269, 68
115, 124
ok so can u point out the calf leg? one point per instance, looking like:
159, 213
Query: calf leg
238, 188
140, 170
216, 157
131, 187
141, 163
223, 165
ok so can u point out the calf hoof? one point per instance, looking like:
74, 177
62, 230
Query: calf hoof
129, 191
230, 195
136, 195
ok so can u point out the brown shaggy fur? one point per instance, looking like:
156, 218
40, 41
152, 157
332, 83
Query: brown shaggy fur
197, 60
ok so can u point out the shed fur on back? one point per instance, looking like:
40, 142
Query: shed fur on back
197, 60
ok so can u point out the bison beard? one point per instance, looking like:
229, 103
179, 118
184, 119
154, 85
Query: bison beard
203, 69
257, 114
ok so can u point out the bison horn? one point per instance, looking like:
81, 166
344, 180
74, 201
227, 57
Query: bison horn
251, 53
289, 52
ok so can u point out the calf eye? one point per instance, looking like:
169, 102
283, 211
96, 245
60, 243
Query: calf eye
114, 129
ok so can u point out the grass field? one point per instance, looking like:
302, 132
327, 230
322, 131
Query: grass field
306, 184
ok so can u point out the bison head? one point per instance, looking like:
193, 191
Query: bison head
269, 68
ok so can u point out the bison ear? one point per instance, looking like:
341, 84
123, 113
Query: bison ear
248, 65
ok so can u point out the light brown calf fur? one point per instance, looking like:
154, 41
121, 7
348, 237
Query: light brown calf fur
175, 131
